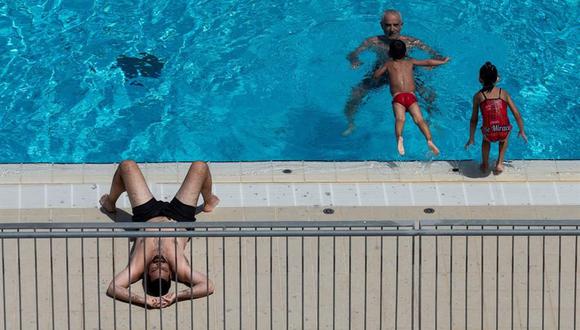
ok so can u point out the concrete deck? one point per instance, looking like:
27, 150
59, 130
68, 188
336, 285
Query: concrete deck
268, 191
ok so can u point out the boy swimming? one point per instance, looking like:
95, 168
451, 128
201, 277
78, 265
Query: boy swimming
402, 82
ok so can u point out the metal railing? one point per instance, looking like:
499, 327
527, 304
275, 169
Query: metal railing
303, 275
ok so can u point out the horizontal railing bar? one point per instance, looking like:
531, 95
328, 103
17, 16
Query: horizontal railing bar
291, 233
205, 224
560, 222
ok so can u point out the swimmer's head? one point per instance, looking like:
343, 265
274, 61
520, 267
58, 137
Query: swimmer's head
397, 49
392, 23
157, 278
488, 76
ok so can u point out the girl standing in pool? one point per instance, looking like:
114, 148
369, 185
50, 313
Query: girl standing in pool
493, 102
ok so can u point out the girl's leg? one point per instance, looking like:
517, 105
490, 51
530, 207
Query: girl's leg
127, 177
502, 149
485, 146
198, 181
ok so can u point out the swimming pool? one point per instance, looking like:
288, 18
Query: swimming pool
268, 80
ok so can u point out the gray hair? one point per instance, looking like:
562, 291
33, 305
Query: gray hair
393, 12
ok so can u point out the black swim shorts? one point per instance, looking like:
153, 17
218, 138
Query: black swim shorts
175, 210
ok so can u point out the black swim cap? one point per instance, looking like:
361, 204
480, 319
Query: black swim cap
158, 287
488, 75
397, 49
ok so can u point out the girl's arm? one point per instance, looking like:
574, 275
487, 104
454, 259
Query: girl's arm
430, 62
517, 116
473, 121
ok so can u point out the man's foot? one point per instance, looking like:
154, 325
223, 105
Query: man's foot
400, 146
210, 204
498, 168
351, 127
433, 148
106, 204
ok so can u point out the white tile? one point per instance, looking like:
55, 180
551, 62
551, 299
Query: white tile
326, 195
32, 196
282, 194
307, 194
425, 193
497, 193
10, 173
568, 193
372, 194
255, 194
9, 196
345, 194
58, 196
399, 194
543, 193
516, 193
229, 194
167, 191
85, 196
479, 194
451, 194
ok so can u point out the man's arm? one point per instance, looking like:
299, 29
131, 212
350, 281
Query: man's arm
199, 284
353, 56
424, 47
119, 286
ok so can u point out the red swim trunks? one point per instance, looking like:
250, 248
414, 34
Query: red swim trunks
405, 99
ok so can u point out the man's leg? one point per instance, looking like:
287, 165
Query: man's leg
357, 96
198, 181
129, 178
426, 93
415, 112
399, 111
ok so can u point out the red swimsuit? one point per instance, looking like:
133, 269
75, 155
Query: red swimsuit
405, 99
496, 124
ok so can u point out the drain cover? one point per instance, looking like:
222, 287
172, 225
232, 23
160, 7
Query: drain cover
328, 211
287, 171
455, 169
429, 210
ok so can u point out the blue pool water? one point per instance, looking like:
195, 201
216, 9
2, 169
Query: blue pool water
268, 80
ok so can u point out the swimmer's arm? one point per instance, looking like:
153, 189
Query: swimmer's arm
473, 121
431, 62
119, 286
353, 56
424, 47
380, 71
517, 115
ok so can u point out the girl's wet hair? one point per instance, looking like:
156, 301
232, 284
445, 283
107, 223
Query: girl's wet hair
397, 49
488, 75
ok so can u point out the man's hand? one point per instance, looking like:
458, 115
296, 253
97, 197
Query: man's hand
152, 302
168, 299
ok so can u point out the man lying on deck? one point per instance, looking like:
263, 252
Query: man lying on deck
157, 261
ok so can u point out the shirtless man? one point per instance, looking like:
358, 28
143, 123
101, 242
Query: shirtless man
157, 261
399, 71
391, 23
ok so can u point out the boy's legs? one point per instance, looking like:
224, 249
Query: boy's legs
197, 181
127, 177
399, 111
415, 112
485, 146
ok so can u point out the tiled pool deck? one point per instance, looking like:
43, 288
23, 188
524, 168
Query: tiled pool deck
301, 190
